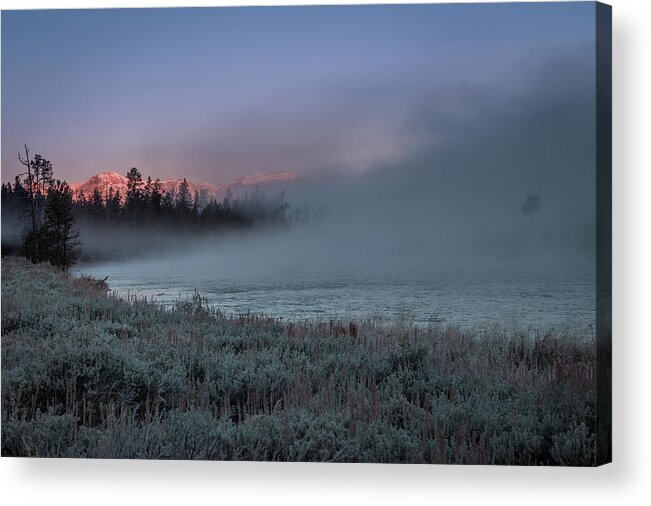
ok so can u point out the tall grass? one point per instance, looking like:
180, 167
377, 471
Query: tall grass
86, 374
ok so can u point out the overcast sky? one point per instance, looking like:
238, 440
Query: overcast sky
216, 94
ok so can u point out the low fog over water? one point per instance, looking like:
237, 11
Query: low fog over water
417, 132
438, 235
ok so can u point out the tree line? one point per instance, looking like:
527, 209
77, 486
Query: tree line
45, 205
146, 205
50, 214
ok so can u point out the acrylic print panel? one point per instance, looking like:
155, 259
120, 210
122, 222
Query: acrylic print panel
334, 234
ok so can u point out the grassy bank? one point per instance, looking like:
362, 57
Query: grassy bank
88, 375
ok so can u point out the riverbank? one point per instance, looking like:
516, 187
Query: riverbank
86, 374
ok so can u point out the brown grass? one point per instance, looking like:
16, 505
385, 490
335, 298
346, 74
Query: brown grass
85, 374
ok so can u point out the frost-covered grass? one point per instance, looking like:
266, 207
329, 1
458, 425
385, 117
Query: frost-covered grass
85, 374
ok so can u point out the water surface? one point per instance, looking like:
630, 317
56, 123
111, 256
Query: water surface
524, 298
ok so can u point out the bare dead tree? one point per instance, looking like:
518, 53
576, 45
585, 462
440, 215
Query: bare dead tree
37, 178
28, 178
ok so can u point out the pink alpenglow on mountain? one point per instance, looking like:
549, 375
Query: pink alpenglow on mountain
113, 180
103, 182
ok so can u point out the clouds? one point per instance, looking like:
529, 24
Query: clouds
538, 109
217, 94
477, 150
308, 131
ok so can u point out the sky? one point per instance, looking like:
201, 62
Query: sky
214, 94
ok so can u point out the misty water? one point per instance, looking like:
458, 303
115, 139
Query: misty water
515, 298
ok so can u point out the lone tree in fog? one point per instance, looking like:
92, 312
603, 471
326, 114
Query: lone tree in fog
532, 206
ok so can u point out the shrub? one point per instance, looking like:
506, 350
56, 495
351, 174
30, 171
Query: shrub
86, 374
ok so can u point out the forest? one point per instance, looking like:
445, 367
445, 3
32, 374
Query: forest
44, 220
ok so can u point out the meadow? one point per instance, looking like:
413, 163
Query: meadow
88, 374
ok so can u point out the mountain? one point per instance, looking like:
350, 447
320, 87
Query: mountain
103, 182
264, 182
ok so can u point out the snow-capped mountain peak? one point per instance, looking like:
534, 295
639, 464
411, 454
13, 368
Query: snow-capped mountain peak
106, 181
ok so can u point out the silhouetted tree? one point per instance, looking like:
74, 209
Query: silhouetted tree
43, 178
113, 203
183, 200
167, 204
80, 198
37, 177
195, 204
156, 195
531, 206
57, 232
134, 192
146, 207
97, 204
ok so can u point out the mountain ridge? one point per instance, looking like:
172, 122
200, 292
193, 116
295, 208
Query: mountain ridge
104, 181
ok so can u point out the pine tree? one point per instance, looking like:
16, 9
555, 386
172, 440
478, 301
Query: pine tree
97, 205
156, 198
183, 200
43, 178
195, 204
57, 232
134, 192
116, 206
